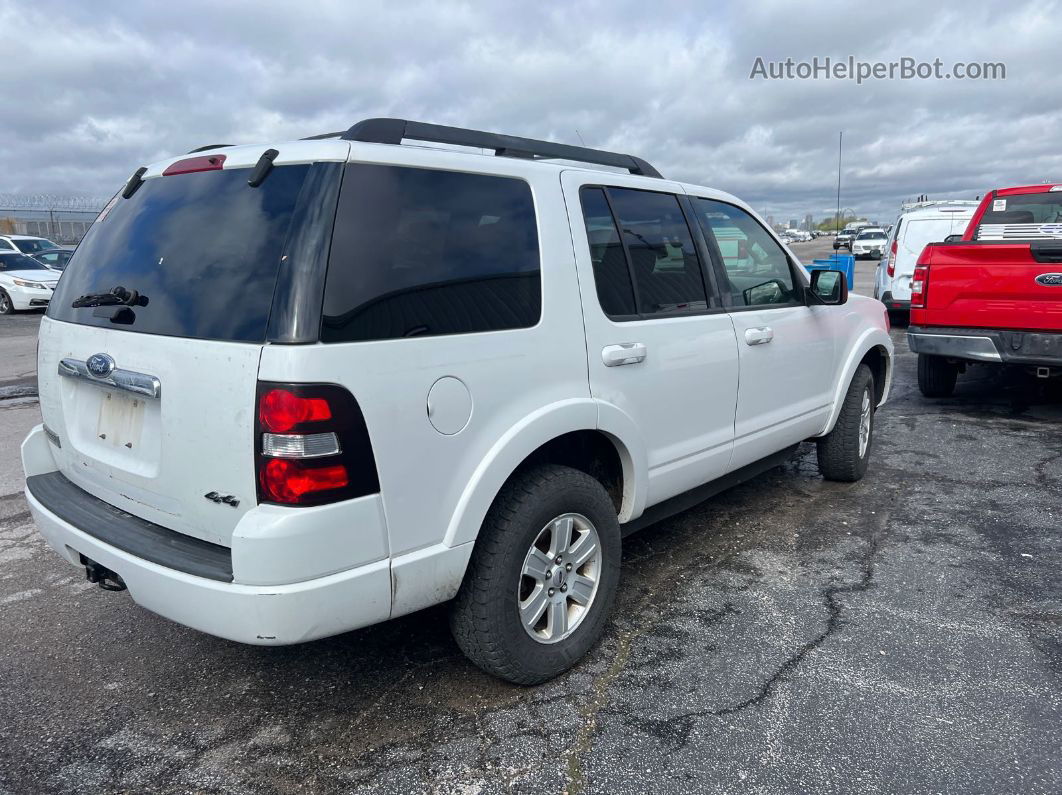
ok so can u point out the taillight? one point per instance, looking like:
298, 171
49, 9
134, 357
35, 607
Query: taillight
890, 268
919, 286
311, 445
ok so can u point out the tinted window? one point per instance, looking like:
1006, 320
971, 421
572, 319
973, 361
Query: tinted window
757, 268
418, 252
1025, 208
203, 249
20, 262
6, 246
33, 245
667, 272
611, 275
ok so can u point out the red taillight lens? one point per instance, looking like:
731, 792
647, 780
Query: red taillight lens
919, 286
891, 267
287, 481
280, 410
190, 165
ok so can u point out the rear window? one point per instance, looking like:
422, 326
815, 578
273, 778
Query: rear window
920, 231
202, 250
33, 245
419, 252
1025, 208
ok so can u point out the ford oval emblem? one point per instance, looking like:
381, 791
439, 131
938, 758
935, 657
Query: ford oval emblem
1050, 279
100, 365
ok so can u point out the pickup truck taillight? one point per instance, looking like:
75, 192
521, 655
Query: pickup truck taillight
311, 445
919, 286
890, 268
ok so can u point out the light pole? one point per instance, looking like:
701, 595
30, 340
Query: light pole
840, 140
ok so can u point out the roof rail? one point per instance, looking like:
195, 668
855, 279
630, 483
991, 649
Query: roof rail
209, 146
393, 131
905, 206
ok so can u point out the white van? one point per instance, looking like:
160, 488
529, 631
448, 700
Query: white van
290, 391
918, 224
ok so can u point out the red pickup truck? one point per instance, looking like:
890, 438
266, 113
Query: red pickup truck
995, 295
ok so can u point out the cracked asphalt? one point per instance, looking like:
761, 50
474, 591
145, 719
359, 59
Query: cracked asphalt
901, 634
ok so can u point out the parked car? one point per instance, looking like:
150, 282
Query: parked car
917, 225
293, 452
25, 283
27, 244
869, 243
55, 258
994, 295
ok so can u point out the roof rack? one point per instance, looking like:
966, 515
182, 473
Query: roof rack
393, 131
905, 206
209, 146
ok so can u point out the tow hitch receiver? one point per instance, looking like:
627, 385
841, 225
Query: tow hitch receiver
102, 576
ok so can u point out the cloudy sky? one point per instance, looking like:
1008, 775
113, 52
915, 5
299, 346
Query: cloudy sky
91, 90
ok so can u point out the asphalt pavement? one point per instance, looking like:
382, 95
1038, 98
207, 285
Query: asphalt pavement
900, 634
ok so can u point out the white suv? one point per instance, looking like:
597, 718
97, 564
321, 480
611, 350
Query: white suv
293, 391
918, 224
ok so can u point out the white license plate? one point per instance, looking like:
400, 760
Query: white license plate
121, 420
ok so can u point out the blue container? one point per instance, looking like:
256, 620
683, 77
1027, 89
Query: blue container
836, 262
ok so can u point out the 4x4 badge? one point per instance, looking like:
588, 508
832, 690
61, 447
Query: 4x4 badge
1050, 279
228, 499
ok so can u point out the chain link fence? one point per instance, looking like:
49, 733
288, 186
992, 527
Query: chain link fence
62, 219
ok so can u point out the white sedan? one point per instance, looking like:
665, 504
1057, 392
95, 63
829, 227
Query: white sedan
870, 242
25, 283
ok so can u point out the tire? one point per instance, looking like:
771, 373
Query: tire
6, 307
485, 616
843, 453
936, 376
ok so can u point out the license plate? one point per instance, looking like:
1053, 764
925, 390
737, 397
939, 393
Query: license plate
121, 420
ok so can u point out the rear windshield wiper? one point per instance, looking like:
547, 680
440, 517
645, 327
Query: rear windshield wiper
116, 296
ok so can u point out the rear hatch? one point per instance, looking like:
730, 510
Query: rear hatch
151, 391
914, 235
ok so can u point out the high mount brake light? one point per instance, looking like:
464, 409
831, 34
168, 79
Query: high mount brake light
190, 165
312, 446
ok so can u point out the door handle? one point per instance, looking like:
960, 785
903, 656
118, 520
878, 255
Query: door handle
624, 353
759, 336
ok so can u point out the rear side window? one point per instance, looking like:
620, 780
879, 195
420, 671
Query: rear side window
201, 250
612, 277
419, 252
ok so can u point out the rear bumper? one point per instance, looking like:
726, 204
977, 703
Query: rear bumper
988, 345
258, 614
895, 304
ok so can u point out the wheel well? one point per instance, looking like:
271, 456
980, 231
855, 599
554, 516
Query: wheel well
592, 452
877, 359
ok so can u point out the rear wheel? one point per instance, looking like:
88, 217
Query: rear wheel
844, 452
6, 307
542, 578
936, 376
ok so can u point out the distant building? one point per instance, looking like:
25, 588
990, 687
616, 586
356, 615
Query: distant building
809, 222
792, 223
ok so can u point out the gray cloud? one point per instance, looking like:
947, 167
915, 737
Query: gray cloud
92, 90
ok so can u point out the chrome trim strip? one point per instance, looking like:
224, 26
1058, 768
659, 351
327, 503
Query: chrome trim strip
125, 380
981, 349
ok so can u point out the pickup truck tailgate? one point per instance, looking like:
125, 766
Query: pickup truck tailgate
1003, 285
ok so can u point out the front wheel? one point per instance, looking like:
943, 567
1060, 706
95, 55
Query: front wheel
936, 376
6, 307
844, 452
542, 578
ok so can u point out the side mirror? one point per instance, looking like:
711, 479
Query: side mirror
828, 287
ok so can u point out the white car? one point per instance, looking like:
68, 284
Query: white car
25, 283
290, 391
918, 224
27, 244
869, 243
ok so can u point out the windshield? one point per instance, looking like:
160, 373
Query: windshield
34, 244
871, 236
201, 250
20, 262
